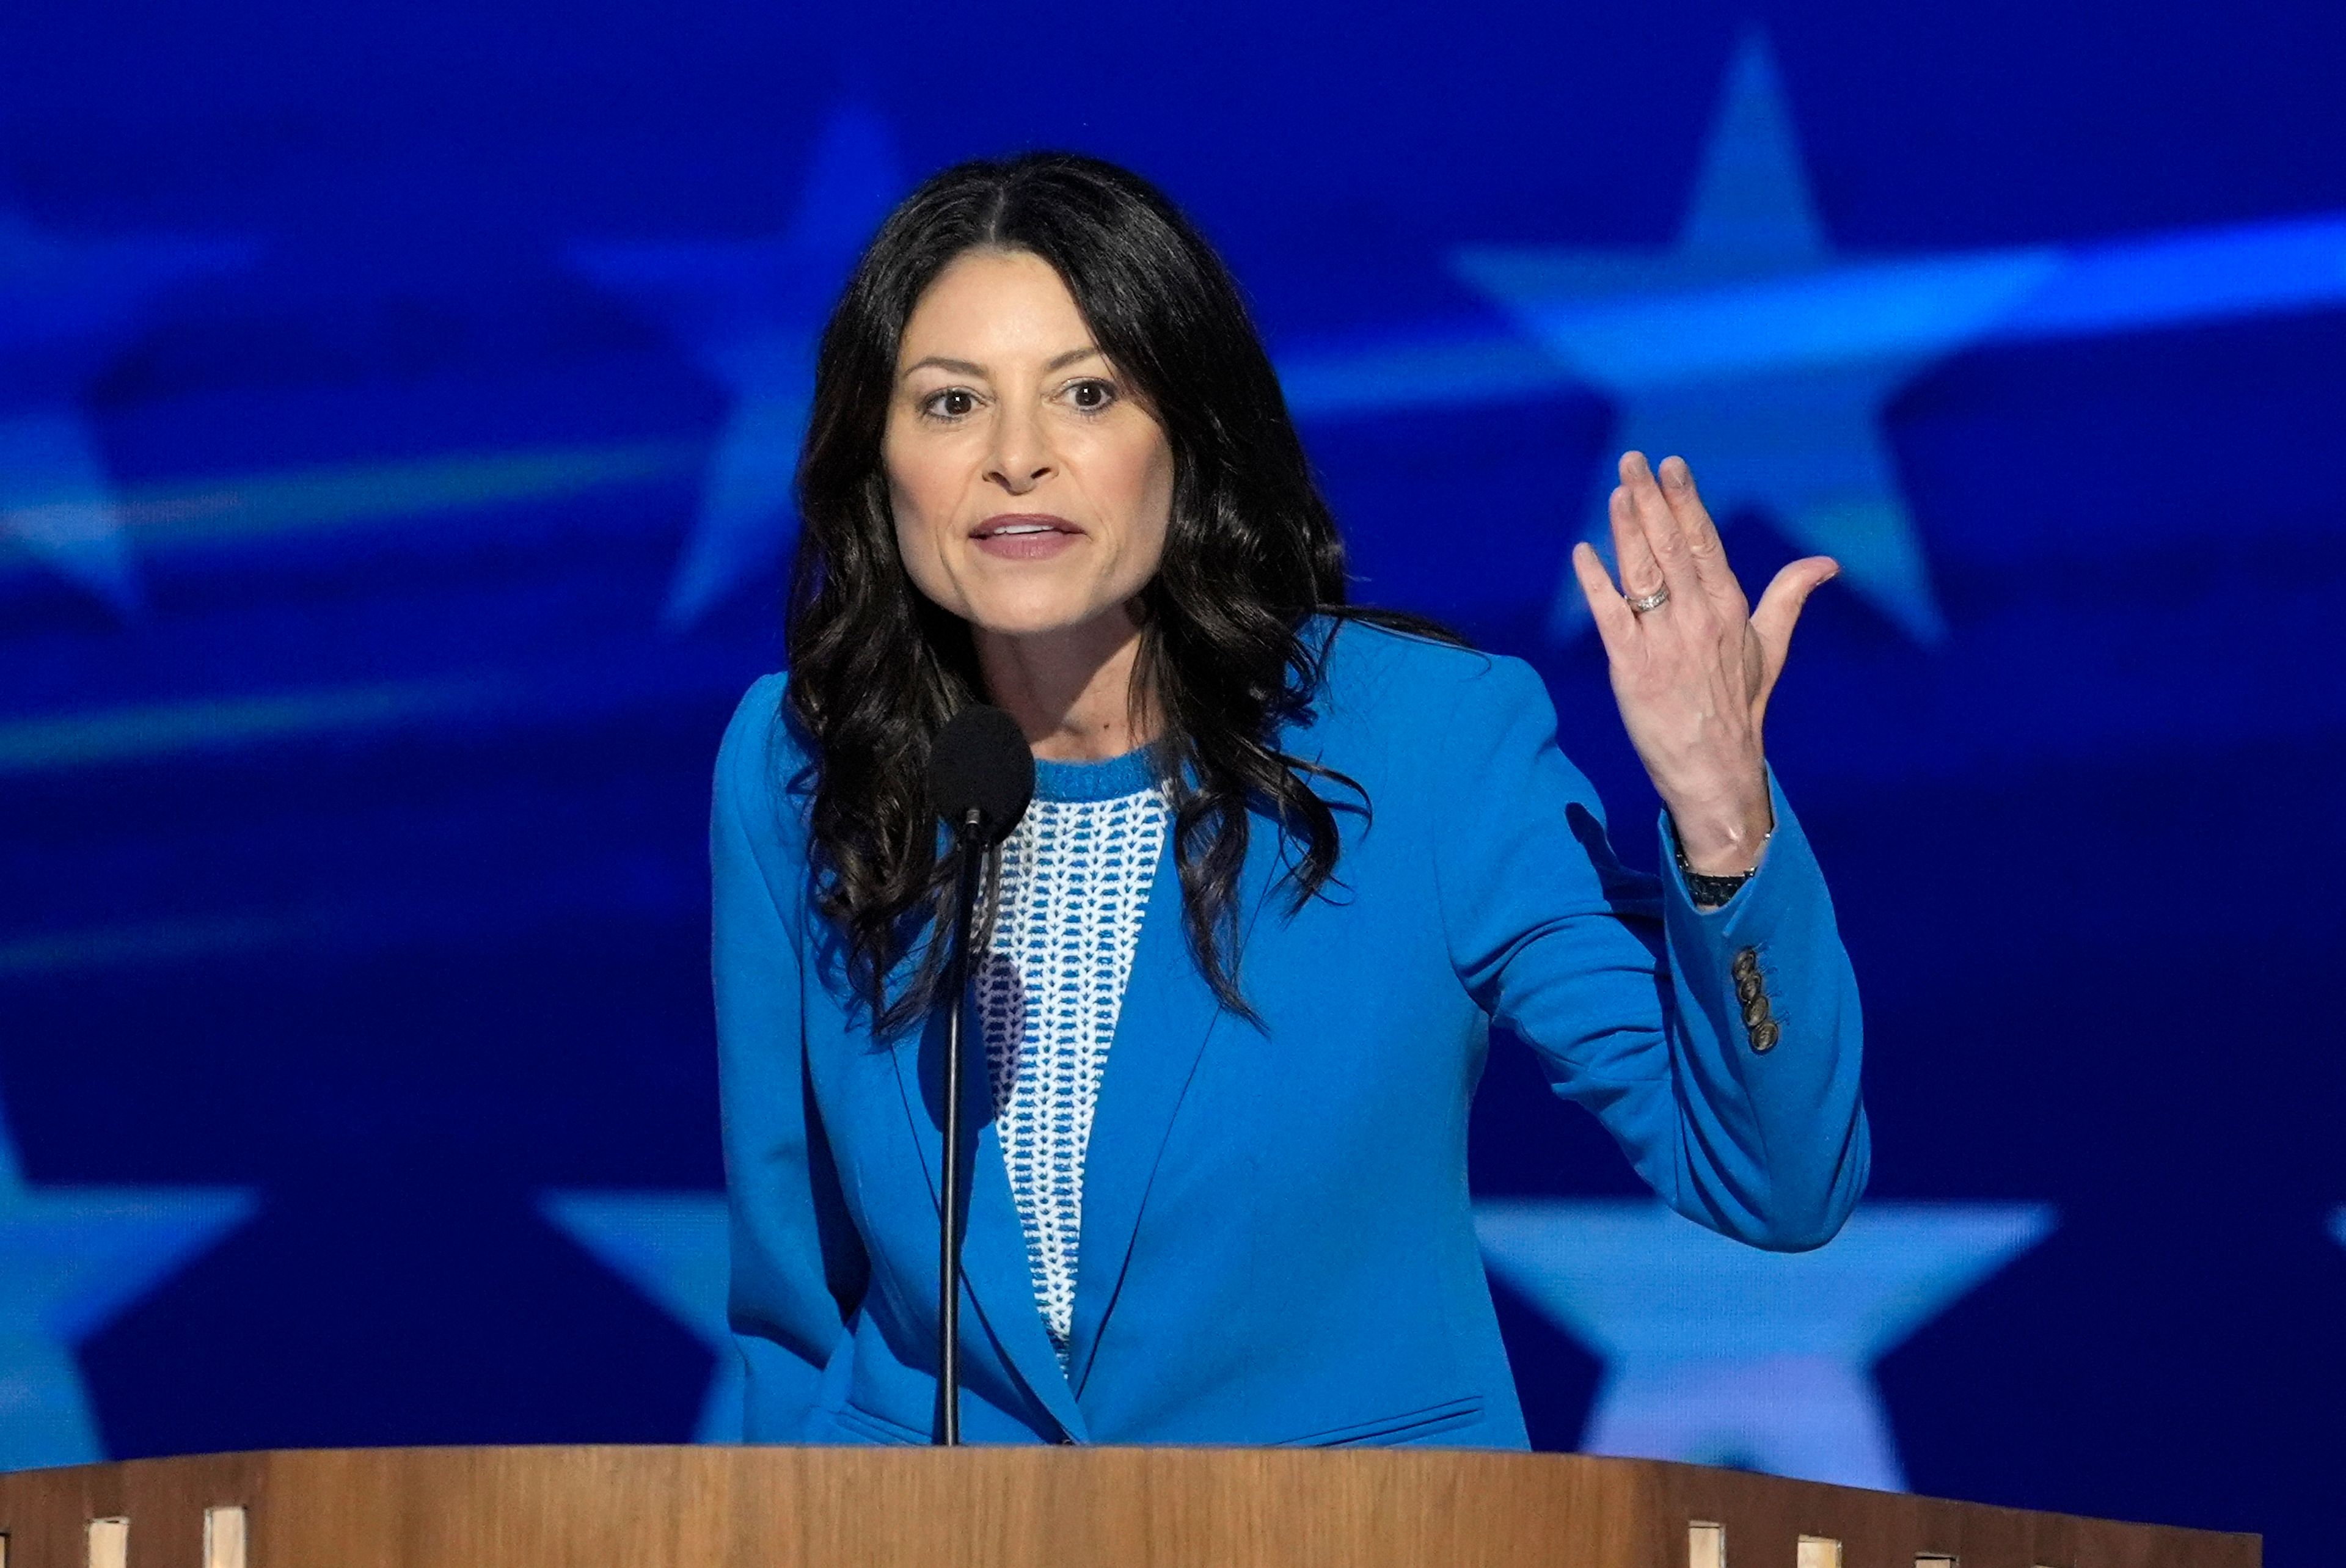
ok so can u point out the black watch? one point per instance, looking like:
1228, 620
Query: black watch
1707, 891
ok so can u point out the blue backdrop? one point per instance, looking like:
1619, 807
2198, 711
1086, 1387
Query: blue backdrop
396, 409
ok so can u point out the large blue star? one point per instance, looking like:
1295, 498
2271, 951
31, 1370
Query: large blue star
71, 1259
1722, 1354
66, 307
1749, 347
674, 1248
750, 313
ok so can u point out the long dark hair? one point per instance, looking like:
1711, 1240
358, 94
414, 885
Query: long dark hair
1250, 556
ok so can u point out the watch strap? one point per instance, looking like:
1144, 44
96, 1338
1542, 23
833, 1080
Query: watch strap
1710, 891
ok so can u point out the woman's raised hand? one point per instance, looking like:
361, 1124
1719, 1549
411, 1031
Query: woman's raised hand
1692, 661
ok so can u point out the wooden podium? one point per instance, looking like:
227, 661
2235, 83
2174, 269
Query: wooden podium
707, 1507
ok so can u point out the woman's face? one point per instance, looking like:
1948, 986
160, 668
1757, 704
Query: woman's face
1031, 489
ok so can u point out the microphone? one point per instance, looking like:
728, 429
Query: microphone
980, 776
981, 763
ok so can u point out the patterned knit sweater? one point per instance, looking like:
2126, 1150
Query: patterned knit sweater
1075, 883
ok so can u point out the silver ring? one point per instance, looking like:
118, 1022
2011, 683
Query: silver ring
1653, 601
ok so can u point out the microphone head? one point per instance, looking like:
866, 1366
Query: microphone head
981, 761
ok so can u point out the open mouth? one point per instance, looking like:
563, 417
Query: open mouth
1025, 537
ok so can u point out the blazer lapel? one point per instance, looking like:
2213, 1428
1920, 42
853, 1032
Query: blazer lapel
995, 1277
1167, 1015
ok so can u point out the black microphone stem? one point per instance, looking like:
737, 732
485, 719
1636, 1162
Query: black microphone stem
973, 860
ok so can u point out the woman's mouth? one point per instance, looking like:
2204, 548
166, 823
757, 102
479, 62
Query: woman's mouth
1025, 537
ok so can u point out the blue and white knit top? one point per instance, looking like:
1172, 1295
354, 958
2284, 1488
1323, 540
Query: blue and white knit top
1075, 883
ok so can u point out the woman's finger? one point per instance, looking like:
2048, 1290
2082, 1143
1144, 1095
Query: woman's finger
1693, 521
1779, 608
1672, 552
1633, 552
1611, 611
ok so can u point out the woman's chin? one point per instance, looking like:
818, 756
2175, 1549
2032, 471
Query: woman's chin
1048, 617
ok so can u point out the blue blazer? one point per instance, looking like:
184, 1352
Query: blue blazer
1278, 1245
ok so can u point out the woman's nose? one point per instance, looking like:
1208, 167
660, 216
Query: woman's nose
1020, 459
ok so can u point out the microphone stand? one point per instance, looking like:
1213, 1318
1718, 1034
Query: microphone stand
972, 858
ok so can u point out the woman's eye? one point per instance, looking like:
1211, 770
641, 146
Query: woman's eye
1091, 396
952, 403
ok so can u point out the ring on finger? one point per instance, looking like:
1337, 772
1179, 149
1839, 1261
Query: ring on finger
1644, 602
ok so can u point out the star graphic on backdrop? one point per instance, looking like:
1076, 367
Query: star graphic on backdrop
1750, 347
748, 313
71, 1259
1719, 1353
674, 1248
2338, 1227
67, 306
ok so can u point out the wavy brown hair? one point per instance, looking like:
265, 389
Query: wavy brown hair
1227, 656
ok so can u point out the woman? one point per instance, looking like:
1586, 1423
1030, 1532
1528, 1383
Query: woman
1287, 863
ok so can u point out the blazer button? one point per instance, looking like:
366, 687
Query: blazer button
1747, 962
1747, 987
1765, 1035
1755, 1012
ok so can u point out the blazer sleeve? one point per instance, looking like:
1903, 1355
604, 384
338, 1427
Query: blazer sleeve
1744, 1117
799, 1268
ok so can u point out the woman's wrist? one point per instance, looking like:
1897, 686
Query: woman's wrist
1723, 840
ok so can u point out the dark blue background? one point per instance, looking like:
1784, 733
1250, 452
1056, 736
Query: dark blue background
405, 964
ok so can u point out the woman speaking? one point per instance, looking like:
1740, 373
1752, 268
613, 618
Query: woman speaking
1286, 863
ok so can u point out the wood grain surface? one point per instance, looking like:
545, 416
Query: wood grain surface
711, 1507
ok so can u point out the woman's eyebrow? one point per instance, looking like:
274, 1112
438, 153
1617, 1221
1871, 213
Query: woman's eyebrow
964, 368
958, 367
